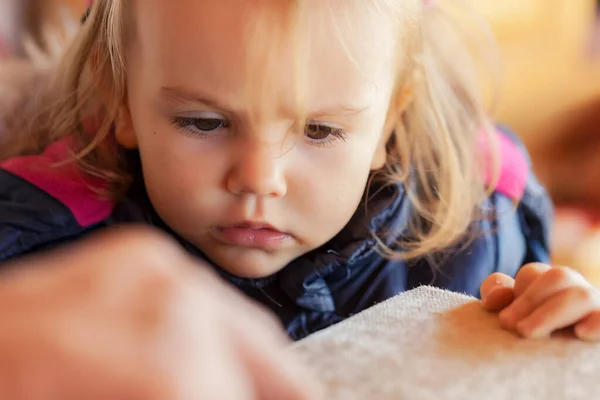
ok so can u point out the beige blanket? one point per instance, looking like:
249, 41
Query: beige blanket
432, 344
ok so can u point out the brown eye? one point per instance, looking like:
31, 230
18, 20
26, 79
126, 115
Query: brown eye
200, 126
209, 124
323, 135
318, 132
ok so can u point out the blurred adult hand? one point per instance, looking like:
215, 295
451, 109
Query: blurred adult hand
129, 315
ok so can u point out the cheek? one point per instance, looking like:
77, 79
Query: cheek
183, 193
175, 166
333, 189
180, 166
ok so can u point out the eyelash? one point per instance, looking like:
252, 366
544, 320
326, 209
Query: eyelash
334, 136
187, 125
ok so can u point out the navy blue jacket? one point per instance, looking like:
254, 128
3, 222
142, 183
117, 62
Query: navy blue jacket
41, 208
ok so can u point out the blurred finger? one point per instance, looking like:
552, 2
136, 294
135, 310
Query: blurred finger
236, 306
244, 312
279, 375
589, 328
553, 281
276, 373
225, 377
497, 291
560, 311
200, 354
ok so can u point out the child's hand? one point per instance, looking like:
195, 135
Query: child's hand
542, 300
129, 315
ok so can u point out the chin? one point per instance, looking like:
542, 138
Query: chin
251, 264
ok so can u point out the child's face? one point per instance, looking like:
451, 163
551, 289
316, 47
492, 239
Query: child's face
217, 176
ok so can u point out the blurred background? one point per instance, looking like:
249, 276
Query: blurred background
550, 95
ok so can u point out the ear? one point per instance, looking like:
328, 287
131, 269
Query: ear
124, 132
400, 102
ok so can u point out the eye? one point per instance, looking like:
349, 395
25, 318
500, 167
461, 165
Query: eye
209, 124
317, 132
323, 134
200, 126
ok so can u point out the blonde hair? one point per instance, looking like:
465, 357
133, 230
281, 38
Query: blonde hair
433, 152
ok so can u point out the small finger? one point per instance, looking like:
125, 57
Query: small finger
553, 281
588, 328
497, 292
560, 311
527, 275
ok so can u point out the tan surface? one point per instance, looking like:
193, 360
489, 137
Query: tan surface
430, 344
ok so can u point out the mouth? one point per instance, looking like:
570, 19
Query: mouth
255, 235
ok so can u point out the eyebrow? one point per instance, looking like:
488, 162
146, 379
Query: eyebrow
178, 96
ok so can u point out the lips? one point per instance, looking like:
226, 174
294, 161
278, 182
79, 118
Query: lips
255, 226
252, 235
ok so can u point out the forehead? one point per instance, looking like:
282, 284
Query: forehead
346, 47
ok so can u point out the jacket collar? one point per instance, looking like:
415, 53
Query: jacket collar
387, 215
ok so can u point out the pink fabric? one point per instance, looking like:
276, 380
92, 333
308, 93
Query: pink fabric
514, 168
65, 183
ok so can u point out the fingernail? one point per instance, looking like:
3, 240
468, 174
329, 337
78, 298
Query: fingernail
530, 330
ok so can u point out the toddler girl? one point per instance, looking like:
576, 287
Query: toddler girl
321, 156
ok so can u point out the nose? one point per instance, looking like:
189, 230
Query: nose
258, 171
